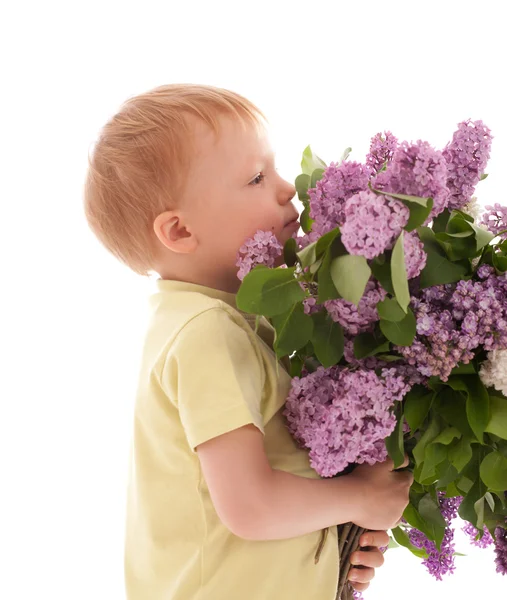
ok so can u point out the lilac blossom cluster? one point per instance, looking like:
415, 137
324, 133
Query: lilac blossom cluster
372, 223
356, 319
439, 562
495, 219
327, 199
453, 320
500, 544
262, 249
466, 156
381, 151
343, 416
417, 170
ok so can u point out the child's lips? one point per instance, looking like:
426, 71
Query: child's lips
293, 224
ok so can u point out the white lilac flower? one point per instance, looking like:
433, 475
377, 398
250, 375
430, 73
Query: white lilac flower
493, 371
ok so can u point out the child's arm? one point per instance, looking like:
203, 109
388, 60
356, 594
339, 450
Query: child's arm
256, 502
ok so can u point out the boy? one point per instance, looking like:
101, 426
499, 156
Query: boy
222, 503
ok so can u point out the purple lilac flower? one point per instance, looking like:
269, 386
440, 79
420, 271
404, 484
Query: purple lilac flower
440, 562
466, 156
343, 416
338, 183
453, 320
501, 550
495, 219
415, 256
262, 249
305, 240
381, 151
449, 506
356, 319
417, 170
472, 532
372, 223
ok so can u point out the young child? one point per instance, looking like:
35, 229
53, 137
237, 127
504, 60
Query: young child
222, 503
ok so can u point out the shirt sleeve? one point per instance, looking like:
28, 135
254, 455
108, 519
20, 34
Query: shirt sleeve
216, 377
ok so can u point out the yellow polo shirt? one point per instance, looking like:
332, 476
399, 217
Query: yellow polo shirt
204, 372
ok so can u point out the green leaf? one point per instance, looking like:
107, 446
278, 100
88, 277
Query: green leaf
311, 161
345, 154
394, 444
326, 289
289, 252
316, 176
401, 333
293, 329
350, 274
327, 339
467, 508
416, 406
368, 344
450, 403
447, 436
498, 420
479, 511
324, 242
403, 540
434, 455
381, 269
390, 310
462, 369
460, 454
430, 511
302, 184
305, 219
269, 292
483, 176
308, 255
478, 412
428, 436
494, 471
438, 270
440, 221
399, 274
445, 474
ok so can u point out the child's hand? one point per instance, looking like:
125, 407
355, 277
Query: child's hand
370, 558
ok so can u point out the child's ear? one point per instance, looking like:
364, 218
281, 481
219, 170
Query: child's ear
173, 233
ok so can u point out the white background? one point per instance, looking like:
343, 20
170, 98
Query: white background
331, 74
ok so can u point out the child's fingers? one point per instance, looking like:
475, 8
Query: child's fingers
374, 538
371, 558
363, 575
360, 587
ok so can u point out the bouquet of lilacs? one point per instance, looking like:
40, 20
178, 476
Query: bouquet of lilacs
392, 308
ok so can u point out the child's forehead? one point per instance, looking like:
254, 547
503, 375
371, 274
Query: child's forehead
234, 137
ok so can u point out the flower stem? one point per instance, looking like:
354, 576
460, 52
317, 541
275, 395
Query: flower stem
348, 543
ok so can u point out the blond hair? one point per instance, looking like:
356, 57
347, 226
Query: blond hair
140, 164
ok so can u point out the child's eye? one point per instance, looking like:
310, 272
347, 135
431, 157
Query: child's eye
258, 179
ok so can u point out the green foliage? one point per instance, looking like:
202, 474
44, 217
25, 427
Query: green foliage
350, 274
268, 292
403, 540
368, 344
390, 310
293, 330
402, 332
327, 339
311, 161
394, 443
439, 269
399, 274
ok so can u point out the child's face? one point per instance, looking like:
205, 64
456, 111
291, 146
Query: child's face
233, 190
